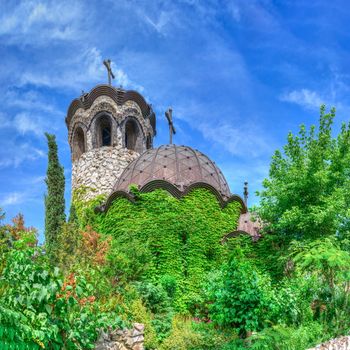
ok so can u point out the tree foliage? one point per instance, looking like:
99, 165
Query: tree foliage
241, 297
54, 199
307, 192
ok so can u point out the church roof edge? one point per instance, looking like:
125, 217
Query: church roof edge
118, 95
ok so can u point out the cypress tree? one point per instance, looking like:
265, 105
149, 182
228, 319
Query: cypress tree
54, 199
73, 216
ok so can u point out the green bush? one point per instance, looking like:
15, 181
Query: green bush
52, 311
288, 338
241, 297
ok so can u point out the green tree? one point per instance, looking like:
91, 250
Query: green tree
324, 260
307, 192
54, 200
241, 297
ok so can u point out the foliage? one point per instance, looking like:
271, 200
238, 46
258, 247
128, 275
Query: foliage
288, 338
307, 193
330, 266
53, 312
213, 338
140, 314
54, 200
160, 236
77, 247
73, 217
82, 209
241, 297
66, 249
325, 259
182, 336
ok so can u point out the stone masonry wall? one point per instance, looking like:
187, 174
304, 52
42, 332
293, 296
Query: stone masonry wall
127, 339
341, 343
100, 168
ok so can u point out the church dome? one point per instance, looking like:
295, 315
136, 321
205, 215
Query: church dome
174, 168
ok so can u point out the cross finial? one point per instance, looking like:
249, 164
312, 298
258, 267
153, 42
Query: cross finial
169, 116
245, 192
107, 63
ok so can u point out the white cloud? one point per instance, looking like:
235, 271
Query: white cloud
12, 199
304, 97
243, 140
239, 136
160, 23
39, 22
79, 71
24, 123
29, 101
16, 154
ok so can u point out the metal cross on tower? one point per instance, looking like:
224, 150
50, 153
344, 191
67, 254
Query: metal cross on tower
107, 63
169, 116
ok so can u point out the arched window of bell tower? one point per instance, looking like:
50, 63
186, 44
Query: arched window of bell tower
104, 131
132, 134
78, 143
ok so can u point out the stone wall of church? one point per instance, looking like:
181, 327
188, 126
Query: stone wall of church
99, 169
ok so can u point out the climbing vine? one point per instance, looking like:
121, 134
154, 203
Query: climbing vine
181, 239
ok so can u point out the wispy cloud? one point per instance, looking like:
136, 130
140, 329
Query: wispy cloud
25, 123
304, 98
38, 22
160, 23
237, 135
12, 199
16, 154
243, 140
85, 68
30, 100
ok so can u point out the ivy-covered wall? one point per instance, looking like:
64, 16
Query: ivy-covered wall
180, 240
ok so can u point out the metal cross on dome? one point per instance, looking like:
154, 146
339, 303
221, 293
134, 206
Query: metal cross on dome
107, 63
169, 116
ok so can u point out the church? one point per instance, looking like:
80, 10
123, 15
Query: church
111, 133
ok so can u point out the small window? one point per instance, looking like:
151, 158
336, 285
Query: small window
106, 136
131, 133
149, 142
104, 131
78, 143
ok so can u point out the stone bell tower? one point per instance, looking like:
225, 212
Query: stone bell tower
107, 129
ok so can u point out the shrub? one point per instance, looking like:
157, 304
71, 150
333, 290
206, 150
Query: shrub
288, 338
241, 297
55, 312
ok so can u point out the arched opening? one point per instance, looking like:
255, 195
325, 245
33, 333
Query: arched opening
131, 134
149, 142
78, 143
104, 130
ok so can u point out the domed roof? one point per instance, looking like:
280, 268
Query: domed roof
178, 167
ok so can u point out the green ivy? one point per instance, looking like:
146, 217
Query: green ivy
160, 235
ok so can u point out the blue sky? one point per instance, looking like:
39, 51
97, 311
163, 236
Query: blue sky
238, 74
